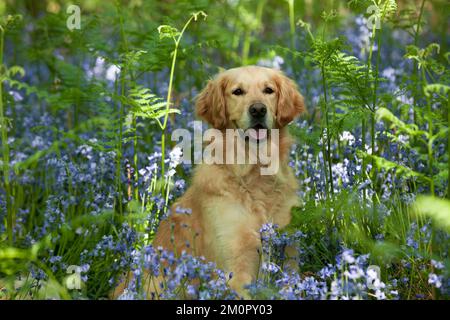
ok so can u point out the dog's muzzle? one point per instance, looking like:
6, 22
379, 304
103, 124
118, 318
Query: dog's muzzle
257, 111
258, 128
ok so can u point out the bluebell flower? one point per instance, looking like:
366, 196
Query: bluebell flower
435, 280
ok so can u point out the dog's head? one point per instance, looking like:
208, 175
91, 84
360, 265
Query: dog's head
250, 97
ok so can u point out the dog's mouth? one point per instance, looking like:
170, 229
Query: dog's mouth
257, 132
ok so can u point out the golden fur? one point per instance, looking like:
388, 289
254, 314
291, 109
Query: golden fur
230, 202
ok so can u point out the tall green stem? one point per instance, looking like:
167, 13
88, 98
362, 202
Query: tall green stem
430, 133
292, 23
372, 118
119, 142
419, 19
5, 149
246, 46
134, 118
169, 97
236, 28
416, 42
123, 72
325, 97
448, 146
169, 94
363, 143
135, 157
248, 32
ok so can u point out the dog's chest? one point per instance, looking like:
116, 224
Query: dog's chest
261, 195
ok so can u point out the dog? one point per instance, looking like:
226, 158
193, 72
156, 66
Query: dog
229, 203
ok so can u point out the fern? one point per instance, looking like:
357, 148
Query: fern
7, 77
400, 170
423, 57
145, 104
440, 89
387, 9
350, 79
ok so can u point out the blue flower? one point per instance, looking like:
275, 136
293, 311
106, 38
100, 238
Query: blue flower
435, 280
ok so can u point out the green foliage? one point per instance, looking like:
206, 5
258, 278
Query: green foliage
146, 105
351, 79
436, 208
400, 170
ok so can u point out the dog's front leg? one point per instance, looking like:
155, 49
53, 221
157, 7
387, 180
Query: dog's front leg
243, 259
236, 241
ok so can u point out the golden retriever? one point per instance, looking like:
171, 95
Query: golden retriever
230, 202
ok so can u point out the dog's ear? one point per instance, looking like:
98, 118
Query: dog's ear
290, 102
211, 104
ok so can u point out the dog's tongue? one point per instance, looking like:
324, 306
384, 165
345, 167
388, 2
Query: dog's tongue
258, 134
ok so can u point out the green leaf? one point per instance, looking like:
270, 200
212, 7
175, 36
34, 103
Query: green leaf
399, 169
436, 208
199, 13
410, 129
436, 88
15, 70
146, 104
11, 21
166, 31
388, 8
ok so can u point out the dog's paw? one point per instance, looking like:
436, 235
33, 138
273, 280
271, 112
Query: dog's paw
238, 284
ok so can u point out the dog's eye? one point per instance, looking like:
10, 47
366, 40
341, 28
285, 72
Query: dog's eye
238, 92
268, 90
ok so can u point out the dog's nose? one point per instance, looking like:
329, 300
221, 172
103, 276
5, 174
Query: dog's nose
257, 110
